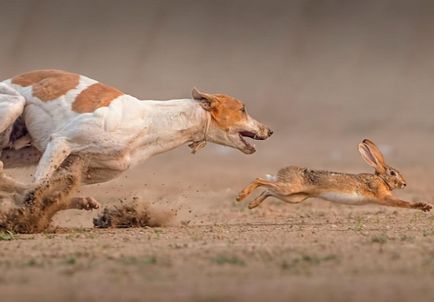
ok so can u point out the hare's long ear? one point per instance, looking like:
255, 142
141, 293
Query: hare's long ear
370, 158
375, 151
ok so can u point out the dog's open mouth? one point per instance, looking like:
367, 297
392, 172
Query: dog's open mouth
249, 147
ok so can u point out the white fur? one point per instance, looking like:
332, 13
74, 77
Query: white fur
271, 177
11, 107
116, 137
124, 133
340, 197
42, 118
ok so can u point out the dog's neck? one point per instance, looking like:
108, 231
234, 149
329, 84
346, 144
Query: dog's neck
172, 123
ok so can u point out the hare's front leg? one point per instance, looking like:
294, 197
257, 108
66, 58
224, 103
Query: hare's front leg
394, 202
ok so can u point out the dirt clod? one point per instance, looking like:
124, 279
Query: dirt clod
134, 214
32, 211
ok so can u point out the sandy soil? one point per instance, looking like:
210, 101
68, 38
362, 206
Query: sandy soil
322, 75
214, 249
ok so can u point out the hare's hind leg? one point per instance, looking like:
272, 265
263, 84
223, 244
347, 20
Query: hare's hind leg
258, 200
291, 198
247, 190
282, 190
258, 182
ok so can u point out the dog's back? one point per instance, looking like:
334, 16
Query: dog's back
49, 99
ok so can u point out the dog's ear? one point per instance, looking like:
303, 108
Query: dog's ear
207, 101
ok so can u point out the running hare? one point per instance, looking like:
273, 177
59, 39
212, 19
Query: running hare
294, 184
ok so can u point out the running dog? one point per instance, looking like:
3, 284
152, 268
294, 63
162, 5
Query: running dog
67, 116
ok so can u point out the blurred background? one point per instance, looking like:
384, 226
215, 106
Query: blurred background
322, 74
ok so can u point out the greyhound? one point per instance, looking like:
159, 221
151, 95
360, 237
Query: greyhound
64, 115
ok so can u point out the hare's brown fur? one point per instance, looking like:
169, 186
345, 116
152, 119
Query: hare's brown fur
317, 182
294, 184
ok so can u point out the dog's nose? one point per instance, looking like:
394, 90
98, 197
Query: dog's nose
270, 132
404, 185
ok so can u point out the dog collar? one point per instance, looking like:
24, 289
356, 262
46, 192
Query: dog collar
197, 145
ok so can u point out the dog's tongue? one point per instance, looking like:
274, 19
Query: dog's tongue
248, 134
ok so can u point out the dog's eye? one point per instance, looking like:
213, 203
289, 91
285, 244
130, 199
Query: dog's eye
392, 173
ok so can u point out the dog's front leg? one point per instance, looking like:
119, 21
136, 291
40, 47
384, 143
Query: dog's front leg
55, 153
83, 203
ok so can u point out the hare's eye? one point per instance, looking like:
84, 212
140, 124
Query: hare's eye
243, 109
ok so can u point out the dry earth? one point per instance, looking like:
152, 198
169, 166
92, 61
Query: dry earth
215, 249
323, 75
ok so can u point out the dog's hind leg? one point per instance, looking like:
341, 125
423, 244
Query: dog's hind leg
11, 108
8, 184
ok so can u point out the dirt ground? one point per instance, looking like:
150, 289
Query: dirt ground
214, 249
322, 75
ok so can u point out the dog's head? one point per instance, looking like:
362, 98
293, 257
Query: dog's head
230, 123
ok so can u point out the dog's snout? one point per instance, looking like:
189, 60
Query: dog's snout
270, 132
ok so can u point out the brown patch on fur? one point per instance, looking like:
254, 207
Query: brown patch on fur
226, 111
134, 214
48, 84
95, 96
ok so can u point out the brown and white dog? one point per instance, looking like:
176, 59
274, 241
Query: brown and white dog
66, 115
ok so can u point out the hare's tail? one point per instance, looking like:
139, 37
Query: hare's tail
271, 177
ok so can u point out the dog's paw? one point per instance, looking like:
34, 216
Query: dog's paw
425, 207
87, 203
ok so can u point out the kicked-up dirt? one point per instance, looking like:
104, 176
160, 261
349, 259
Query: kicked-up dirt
215, 249
322, 74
